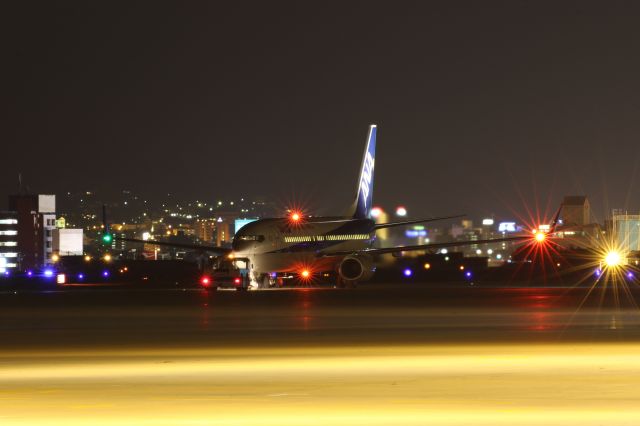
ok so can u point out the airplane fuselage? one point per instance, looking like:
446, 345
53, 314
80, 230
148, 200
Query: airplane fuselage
284, 245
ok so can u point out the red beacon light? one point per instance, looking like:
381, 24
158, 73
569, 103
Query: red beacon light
236, 281
305, 274
205, 281
295, 217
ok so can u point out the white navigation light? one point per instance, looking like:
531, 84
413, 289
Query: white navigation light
613, 259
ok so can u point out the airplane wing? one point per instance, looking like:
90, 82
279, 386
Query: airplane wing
411, 222
212, 249
429, 246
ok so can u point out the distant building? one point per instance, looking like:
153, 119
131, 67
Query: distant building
8, 241
36, 222
205, 229
68, 242
576, 211
626, 231
223, 233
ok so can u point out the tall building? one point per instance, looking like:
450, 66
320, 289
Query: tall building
36, 222
205, 229
8, 242
576, 211
223, 233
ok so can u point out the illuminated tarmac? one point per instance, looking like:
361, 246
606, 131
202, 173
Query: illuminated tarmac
383, 355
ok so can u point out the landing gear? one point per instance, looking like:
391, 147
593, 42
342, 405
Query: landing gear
266, 281
342, 283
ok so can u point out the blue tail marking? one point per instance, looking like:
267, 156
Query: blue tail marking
364, 196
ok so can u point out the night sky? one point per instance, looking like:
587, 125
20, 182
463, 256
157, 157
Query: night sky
482, 107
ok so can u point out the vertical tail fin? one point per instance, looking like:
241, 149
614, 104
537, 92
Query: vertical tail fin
364, 195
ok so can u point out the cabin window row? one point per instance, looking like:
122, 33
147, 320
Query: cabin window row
310, 238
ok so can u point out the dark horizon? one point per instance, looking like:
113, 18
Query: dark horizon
482, 109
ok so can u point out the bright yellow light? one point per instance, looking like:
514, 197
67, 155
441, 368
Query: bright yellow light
87, 258
613, 259
230, 256
427, 266
540, 236
462, 267
55, 258
107, 257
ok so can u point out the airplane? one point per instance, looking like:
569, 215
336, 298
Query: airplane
304, 246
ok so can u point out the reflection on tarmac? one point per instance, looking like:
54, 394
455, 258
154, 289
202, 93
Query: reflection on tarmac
379, 356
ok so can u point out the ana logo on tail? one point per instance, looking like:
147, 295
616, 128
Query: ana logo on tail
367, 174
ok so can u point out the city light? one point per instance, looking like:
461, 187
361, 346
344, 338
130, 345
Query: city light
427, 266
105, 274
376, 212
540, 236
48, 273
407, 272
87, 258
80, 277
107, 238
401, 211
107, 257
55, 258
205, 281
305, 273
61, 278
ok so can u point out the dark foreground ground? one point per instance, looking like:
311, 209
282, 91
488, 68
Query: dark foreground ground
378, 354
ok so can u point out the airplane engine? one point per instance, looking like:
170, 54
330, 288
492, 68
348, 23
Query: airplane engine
356, 268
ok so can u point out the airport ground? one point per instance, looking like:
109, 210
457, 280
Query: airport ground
381, 354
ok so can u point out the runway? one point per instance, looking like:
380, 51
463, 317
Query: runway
380, 355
